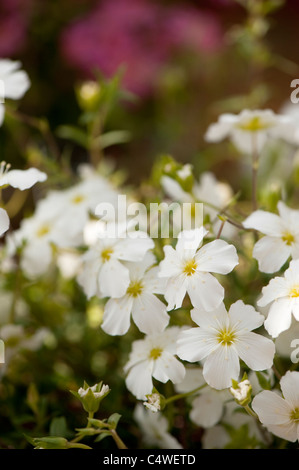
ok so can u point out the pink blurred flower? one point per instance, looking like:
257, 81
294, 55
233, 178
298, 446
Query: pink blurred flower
13, 25
139, 34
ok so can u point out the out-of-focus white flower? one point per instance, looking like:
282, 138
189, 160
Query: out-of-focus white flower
103, 272
188, 270
154, 427
281, 238
283, 294
153, 357
251, 129
148, 312
207, 404
280, 414
15, 82
214, 195
21, 179
221, 339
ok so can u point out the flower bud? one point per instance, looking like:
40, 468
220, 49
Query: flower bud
241, 391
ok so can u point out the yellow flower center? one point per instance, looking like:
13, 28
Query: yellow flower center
135, 288
155, 353
294, 416
78, 199
254, 124
294, 292
226, 337
288, 238
190, 267
106, 254
43, 230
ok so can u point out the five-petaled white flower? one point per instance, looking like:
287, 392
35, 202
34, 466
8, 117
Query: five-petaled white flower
251, 129
221, 339
153, 357
280, 414
103, 273
148, 312
281, 238
283, 294
14, 82
188, 269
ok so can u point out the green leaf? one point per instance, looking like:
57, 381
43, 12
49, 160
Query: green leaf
112, 138
58, 427
102, 436
264, 383
74, 134
114, 419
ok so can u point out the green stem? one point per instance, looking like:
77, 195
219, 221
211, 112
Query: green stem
120, 444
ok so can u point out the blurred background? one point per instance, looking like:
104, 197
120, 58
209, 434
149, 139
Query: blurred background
183, 63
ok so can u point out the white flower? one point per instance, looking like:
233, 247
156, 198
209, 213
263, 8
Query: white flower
213, 194
221, 339
283, 294
97, 391
39, 233
15, 82
188, 269
103, 272
154, 427
153, 357
21, 179
148, 312
207, 404
281, 238
251, 129
280, 414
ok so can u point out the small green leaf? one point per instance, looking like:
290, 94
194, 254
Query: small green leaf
58, 427
102, 436
114, 419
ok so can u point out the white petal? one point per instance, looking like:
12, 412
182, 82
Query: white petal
36, 258
152, 283
175, 292
88, 278
287, 431
167, 367
205, 291
210, 320
217, 257
4, 221
265, 222
195, 344
271, 253
279, 317
221, 366
149, 314
256, 351
139, 380
245, 317
117, 314
189, 241
271, 408
174, 190
171, 265
114, 279
16, 84
206, 410
277, 288
289, 384
24, 179
134, 246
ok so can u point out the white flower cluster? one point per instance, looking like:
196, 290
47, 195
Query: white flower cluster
140, 288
